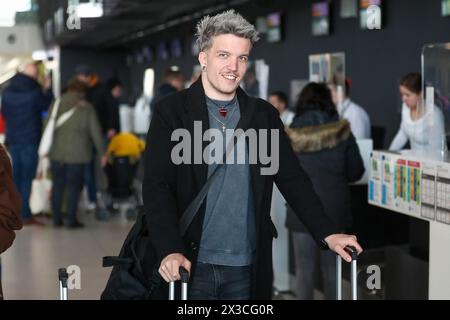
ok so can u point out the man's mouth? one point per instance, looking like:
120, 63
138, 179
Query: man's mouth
231, 77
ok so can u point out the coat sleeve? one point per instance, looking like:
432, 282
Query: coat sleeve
44, 99
112, 114
95, 131
354, 164
10, 204
159, 187
297, 188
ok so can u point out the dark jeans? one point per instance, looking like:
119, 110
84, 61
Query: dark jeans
306, 251
68, 176
89, 176
24, 159
214, 282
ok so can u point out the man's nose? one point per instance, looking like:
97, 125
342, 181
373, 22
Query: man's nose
233, 64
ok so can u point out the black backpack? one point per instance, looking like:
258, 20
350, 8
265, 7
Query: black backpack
129, 279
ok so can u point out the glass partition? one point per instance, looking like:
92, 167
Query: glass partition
329, 68
436, 95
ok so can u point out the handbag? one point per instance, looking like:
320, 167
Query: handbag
53, 124
41, 189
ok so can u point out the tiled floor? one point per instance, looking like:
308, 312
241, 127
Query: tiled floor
30, 266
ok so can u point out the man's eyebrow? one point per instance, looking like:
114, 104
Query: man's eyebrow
227, 52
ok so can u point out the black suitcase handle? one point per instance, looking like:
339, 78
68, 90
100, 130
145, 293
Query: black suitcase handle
184, 275
354, 255
351, 250
63, 278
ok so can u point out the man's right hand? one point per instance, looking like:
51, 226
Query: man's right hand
170, 266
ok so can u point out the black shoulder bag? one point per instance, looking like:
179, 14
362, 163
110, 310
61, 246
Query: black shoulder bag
128, 279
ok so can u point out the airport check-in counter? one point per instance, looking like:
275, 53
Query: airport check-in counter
418, 185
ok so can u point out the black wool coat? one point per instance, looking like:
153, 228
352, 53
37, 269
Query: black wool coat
169, 188
330, 155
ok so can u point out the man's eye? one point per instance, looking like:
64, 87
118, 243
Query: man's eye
243, 59
223, 55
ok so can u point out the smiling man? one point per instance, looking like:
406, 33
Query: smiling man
226, 244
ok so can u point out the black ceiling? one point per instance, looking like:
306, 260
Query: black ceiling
126, 21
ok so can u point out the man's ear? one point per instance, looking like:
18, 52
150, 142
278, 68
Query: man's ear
202, 58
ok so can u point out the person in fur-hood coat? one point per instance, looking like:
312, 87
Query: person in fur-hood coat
327, 151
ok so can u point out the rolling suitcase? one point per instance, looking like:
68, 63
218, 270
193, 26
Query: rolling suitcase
354, 254
184, 274
63, 290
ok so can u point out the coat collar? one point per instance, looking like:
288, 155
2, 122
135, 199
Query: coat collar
318, 137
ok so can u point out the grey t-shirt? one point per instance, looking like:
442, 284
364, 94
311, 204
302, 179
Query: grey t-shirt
228, 236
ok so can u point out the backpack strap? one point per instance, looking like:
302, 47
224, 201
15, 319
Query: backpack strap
110, 261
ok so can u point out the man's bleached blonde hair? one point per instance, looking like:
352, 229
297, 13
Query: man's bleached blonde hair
228, 22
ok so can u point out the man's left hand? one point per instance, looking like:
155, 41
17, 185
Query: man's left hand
338, 242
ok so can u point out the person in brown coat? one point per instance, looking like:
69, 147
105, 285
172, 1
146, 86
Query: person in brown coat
10, 205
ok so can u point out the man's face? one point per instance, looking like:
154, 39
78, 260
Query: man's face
277, 103
226, 63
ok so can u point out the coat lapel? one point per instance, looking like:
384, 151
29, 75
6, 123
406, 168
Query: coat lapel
196, 108
247, 109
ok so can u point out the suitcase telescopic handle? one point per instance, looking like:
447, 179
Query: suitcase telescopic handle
352, 252
63, 278
354, 255
184, 275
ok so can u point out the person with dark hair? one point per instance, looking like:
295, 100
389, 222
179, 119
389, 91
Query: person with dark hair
72, 149
83, 73
356, 115
421, 125
327, 151
280, 101
108, 108
173, 82
93, 96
